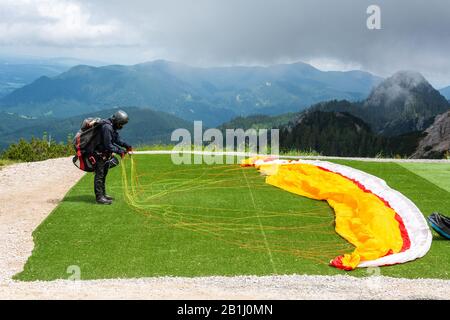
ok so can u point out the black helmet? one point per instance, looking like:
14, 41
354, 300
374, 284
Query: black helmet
119, 119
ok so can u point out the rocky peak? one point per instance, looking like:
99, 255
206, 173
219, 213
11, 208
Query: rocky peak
399, 88
436, 143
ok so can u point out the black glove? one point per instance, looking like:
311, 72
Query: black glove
122, 153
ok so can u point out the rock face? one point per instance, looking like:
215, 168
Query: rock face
436, 144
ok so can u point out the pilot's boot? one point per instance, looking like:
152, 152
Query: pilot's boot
101, 170
103, 200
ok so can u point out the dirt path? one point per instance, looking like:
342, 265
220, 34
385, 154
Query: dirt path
30, 191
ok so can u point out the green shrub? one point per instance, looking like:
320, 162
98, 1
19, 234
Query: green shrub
6, 162
38, 149
300, 153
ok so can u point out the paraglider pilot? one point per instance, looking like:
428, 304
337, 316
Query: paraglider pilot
110, 143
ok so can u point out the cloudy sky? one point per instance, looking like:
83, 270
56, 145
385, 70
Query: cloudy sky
330, 34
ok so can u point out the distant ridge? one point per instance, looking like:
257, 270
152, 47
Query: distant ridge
213, 95
146, 126
445, 92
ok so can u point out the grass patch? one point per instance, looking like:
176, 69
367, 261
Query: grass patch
153, 147
204, 220
300, 153
437, 173
164, 147
7, 162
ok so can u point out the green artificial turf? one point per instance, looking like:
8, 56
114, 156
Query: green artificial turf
201, 220
437, 173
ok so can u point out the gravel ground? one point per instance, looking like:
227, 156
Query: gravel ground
251, 287
30, 191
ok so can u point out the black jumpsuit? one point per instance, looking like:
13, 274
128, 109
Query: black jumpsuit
109, 144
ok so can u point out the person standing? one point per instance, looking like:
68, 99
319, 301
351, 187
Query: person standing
110, 143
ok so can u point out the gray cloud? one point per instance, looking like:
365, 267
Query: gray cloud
415, 34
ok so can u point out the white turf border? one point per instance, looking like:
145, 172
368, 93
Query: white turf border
19, 218
249, 154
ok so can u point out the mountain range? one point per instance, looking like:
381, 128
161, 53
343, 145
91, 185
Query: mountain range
147, 126
213, 95
13, 76
402, 103
16, 71
403, 116
357, 113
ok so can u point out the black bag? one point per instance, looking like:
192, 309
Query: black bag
85, 141
440, 224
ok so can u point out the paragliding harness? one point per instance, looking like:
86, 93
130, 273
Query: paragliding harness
85, 141
440, 223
